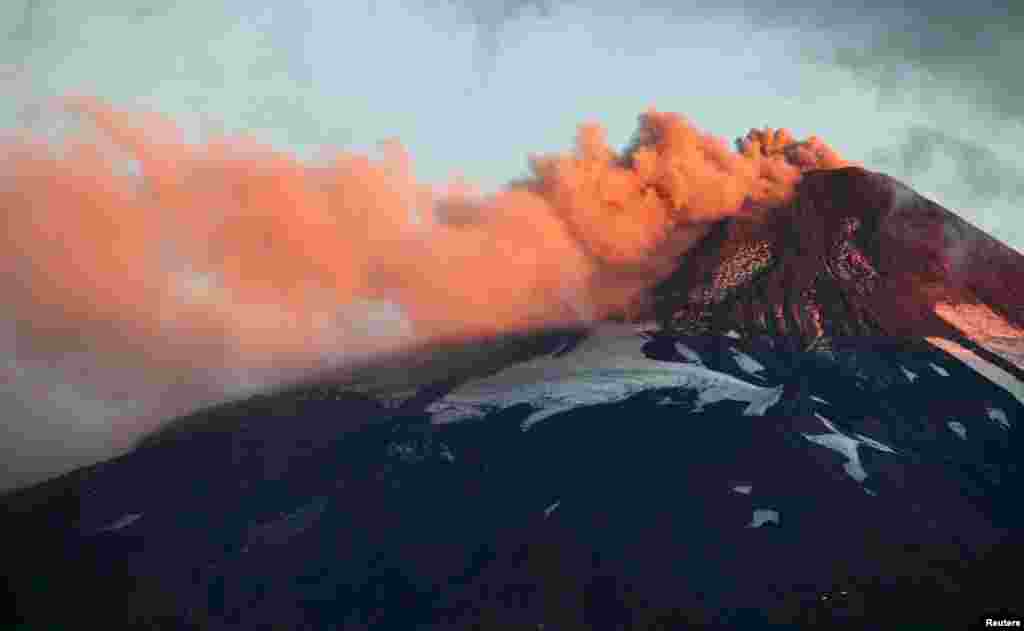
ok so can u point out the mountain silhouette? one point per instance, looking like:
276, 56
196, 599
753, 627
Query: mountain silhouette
814, 421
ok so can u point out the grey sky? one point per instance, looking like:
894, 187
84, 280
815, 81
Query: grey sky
930, 94
972, 43
473, 86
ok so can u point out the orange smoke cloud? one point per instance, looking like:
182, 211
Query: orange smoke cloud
173, 261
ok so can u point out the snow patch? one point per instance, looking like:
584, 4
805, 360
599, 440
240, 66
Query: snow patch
958, 428
747, 363
911, 376
688, 353
1010, 352
599, 386
871, 442
762, 516
743, 489
405, 451
446, 453
999, 416
537, 417
939, 369
551, 509
828, 423
820, 400
733, 334
759, 399
607, 367
450, 411
123, 522
847, 447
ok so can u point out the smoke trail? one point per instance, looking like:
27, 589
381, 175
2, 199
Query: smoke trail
155, 275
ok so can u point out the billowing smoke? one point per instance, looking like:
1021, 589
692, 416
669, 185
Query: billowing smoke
147, 275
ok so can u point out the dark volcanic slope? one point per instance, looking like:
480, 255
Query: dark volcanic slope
848, 497
857, 253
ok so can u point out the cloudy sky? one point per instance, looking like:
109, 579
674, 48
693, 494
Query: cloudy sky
927, 93
930, 94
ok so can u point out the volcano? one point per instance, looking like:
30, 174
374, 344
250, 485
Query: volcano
857, 254
815, 420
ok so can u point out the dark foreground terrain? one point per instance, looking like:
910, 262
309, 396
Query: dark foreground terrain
748, 486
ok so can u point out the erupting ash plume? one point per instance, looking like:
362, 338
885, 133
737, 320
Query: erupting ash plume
155, 275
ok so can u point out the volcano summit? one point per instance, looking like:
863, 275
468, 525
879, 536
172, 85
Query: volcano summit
856, 253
